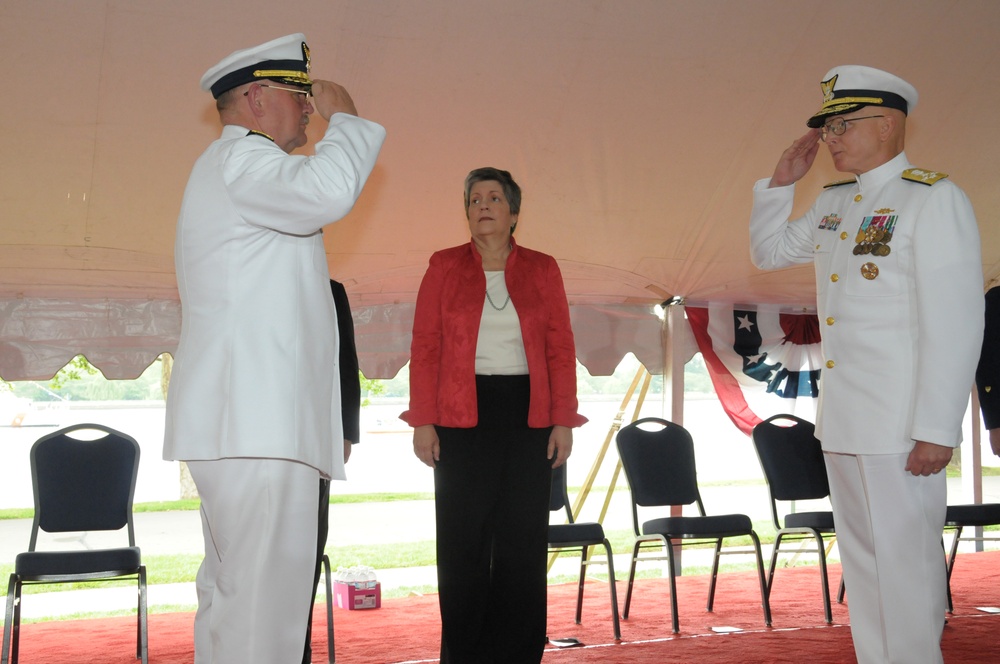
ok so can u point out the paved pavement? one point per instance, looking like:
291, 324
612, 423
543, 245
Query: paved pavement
161, 533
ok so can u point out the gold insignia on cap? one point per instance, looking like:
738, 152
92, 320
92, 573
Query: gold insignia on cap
288, 75
305, 56
845, 103
922, 176
827, 87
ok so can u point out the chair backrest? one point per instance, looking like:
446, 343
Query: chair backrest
792, 458
559, 494
659, 463
83, 484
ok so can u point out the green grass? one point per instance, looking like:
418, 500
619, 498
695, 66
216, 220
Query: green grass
193, 504
181, 568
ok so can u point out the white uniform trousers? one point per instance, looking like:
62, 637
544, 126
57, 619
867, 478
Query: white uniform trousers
255, 584
889, 526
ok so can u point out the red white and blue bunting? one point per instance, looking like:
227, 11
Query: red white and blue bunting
761, 363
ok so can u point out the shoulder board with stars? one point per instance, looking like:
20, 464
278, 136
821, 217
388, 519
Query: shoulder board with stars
839, 182
922, 176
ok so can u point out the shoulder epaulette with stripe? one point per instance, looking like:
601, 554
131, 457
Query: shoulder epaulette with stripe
838, 183
922, 176
254, 132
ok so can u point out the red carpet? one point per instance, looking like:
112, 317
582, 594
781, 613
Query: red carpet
408, 629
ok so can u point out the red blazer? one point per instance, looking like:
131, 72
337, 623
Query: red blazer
446, 330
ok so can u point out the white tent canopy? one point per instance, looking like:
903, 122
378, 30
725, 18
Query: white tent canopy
635, 127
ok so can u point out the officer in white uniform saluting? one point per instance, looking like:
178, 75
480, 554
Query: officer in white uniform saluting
254, 400
900, 300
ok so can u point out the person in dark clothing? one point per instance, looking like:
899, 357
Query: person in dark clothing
988, 370
350, 408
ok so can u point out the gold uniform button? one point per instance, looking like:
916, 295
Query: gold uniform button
857, 199
834, 278
843, 236
829, 364
817, 247
829, 321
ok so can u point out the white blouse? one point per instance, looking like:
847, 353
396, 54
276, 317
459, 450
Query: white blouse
500, 349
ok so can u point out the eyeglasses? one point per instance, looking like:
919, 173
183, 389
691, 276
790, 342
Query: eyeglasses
299, 91
838, 126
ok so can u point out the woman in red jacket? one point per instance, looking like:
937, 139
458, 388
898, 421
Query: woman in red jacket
492, 406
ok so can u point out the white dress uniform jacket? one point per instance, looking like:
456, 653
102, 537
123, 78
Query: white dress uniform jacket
255, 372
901, 327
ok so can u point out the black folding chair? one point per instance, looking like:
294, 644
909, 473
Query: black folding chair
80, 485
659, 464
960, 517
792, 460
572, 536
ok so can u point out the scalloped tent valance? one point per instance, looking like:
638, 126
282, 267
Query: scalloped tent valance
123, 337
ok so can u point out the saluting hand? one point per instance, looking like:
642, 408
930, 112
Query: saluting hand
796, 160
330, 98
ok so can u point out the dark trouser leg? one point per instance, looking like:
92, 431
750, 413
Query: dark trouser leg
517, 618
492, 493
465, 484
322, 533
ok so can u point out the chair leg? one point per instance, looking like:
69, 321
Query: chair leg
824, 578
143, 624
614, 593
715, 575
579, 588
12, 621
631, 579
675, 620
774, 561
765, 600
842, 590
138, 618
951, 564
331, 656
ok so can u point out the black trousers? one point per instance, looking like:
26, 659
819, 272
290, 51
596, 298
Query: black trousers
492, 506
324, 530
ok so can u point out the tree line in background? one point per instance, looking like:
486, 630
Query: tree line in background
80, 381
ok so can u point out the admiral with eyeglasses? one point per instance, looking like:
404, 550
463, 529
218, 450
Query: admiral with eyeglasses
254, 401
899, 293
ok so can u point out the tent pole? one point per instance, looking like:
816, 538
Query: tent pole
616, 424
599, 460
971, 462
673, 388
618, 464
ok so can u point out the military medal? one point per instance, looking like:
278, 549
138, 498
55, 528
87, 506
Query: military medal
873, 238
869, 271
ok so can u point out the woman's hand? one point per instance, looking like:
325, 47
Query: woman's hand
560, 445
426, 445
